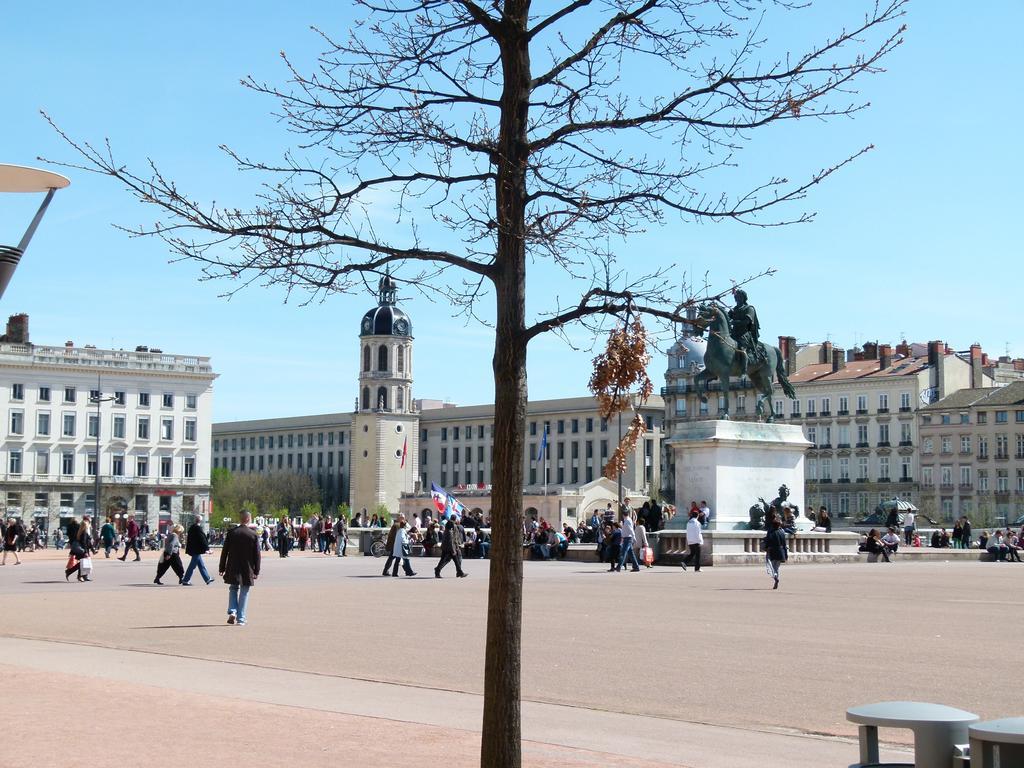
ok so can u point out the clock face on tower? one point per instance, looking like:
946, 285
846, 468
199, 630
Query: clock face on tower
367, 324
401, 326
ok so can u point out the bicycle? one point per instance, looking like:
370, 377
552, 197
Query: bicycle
378, 544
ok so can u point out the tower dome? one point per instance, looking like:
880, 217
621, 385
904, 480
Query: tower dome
386, 319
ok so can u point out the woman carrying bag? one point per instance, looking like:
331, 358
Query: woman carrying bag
80, 536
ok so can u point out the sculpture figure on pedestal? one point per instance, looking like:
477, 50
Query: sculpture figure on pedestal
780, 505
734, 351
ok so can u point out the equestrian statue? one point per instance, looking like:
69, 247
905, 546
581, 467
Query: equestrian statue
734, 350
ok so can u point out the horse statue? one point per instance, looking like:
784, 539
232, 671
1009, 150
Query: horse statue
722, 362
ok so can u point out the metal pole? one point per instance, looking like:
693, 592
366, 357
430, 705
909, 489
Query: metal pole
620, 466
96, 498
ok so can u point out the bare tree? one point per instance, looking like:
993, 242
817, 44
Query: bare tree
501, 135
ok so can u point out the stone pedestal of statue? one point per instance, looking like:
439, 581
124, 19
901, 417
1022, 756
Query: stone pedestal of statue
731, 463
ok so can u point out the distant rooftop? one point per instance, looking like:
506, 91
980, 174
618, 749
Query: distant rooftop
1011, 394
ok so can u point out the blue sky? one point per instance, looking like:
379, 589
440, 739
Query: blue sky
920, 237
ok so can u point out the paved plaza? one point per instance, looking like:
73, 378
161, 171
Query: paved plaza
656, 668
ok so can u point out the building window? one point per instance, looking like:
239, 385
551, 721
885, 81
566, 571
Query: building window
862, 404
862, 469
883, 402
965, 475
927, 478
366, 358
1002, 417
883, 467
14, 464
119, 398
883, 433
190, 402
844, 469
67, 463
400, 359
42, 462
904, 401
826, 470
44, 394
143, 399
190, 431
366, 399
812, 407
93, 426
17, 423
905, 475
141, 466
862, 435
382, 358
168, 400
165, 466
90, 464
444, 434
69, 425
982, 447
982, 417
17, 391
188, 466
142, 431
982, 479
947, 444
826, 406
118, 428
69, 394
905, 436
167, 429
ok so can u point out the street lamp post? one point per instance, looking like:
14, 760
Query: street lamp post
19, 179
97, 399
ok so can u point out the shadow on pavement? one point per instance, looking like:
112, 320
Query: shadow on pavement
183, 626
55, 581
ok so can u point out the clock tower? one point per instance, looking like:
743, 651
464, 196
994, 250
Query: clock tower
385, 428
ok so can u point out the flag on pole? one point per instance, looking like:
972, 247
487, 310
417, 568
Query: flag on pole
543, 445
405, 448
439, 496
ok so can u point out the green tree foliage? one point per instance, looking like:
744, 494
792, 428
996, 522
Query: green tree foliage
273, 494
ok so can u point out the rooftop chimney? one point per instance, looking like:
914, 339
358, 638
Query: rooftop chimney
934, 353
937, 362
870, 350
826, 352
17, 329
884, 356
903, 348
787, 346
838, 360
977, 371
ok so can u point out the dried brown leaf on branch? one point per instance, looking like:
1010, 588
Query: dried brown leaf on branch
619, 371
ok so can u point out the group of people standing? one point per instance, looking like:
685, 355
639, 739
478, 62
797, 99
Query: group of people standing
324, 535
401, 537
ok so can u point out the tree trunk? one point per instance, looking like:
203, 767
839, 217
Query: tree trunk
500, 744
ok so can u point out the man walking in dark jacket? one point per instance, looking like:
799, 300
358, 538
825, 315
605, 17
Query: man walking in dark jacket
451, 547
197, 544
240, 567
131, 540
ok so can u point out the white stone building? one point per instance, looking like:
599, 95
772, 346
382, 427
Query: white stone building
357, 458
972, 456
858, 410
152, 424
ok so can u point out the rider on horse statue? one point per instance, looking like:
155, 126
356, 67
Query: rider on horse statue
745, 331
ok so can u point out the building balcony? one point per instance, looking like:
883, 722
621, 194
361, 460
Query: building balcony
825, 414
906, 443
946, 486
882, 410
825, 446
862, 480
863, 445
842, 446
965, 486
982, 457
811, 414
905, 409
883, 444
965, 453
843, 412
1002, 457
862, 412
106, 481
883, 480
844, 480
